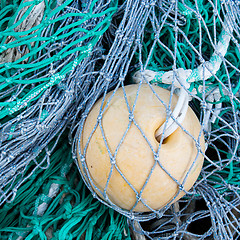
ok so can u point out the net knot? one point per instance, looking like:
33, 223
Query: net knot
113, 160
8, 65
237, 136
52, 72
3, 48
138, 197
37, 227
176, 28
198, 146
121, 78
84, 115
33, 176
83, 159
68, 213
40, 127
131, 117
181, 187
39, 181
88, 15
199, 17
156, 156
10, 157
159, 214
107, 77
3, 153
152, 3
69, 92
99, 118
156, 36
46, 23
44, 115
168, 112
8, 206
119, 33
94, 195
203, 105
147, 5
48, 153
9, 80
69, 236
56, 57
58, 235
67, 188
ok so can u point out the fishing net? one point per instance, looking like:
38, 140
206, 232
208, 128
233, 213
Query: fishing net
191, 49
59, 57
54, 204
49, 56
49, 52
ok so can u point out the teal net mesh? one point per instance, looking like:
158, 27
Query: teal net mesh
55, 204
57, 58
52, 62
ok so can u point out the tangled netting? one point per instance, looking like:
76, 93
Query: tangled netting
49, 51
192, 49
49, 56
58, 57
54, 204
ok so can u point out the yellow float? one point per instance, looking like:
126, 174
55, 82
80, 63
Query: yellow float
135, 157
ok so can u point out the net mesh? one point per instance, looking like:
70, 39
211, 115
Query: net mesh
183, 46
52, 44
54, 204
58, 58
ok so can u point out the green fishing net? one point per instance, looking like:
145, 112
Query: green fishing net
190, 48
46, 46
55, 204
223, 138
47, 55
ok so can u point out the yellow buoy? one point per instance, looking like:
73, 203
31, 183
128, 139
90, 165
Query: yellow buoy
135, 157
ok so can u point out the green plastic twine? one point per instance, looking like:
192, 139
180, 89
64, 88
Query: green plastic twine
71, 213
162, 60
35, 43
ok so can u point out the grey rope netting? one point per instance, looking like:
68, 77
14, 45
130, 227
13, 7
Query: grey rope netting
163, 37
60, 60
58, 74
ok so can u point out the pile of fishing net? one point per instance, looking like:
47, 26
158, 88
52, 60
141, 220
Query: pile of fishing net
59, 59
